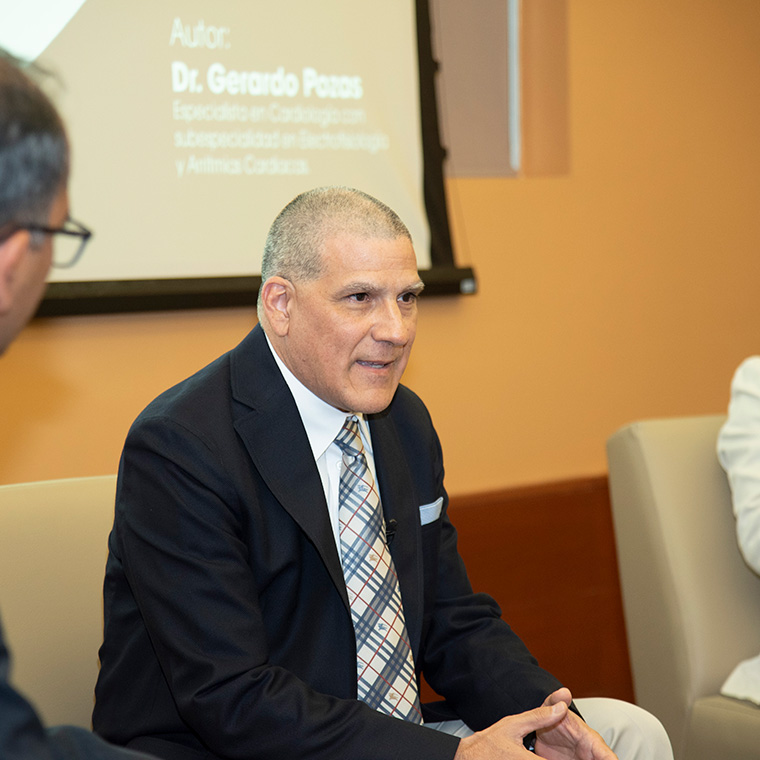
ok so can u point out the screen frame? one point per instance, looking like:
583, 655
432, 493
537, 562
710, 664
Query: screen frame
443, 278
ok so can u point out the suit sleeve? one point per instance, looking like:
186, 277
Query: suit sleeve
178, 533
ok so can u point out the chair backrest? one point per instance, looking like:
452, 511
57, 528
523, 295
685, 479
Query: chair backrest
692, 606
53, 549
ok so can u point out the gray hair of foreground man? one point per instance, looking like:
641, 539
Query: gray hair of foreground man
296, 239
34, 150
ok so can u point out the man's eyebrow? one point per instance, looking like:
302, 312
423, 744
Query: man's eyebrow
360, 286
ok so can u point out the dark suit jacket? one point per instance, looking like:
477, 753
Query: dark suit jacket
227, 626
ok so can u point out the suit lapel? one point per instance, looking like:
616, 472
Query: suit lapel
276, 441
399, 503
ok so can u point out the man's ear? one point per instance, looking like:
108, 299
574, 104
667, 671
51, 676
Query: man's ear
277, 295
12, 251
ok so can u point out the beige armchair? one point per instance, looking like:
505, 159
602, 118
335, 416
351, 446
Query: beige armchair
692, 606
53, 549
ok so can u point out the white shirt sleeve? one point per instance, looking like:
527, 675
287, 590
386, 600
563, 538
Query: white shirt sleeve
739, 454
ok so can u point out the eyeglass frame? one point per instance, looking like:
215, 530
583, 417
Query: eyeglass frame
82, 232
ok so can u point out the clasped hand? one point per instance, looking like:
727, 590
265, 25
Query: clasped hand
560, 735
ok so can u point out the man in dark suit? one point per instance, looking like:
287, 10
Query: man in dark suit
231, 626
34, 168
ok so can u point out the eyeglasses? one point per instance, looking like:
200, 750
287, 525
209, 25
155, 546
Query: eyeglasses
70, 247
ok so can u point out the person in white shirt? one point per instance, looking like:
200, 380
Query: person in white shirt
739, 454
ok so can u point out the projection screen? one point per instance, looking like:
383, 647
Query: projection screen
193, 123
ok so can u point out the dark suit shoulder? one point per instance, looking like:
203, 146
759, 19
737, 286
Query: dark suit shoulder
194, 412
201, 422
191, 396
207, 397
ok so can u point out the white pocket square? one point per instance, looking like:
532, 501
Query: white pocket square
431, 512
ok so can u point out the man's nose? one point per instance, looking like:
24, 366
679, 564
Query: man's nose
393, 325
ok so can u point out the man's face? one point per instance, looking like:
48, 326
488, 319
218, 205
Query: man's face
350, 332
27, 280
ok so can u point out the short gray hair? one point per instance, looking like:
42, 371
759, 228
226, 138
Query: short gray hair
296, 239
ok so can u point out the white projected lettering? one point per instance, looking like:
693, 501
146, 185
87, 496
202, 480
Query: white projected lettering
303, 129
199, 35
331, 86
277, 83
184, 79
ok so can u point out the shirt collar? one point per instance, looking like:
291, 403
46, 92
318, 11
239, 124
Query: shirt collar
321, 420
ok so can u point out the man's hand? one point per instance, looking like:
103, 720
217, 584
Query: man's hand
570, 738
504, 739
561, 735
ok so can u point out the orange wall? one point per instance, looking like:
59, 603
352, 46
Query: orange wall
626, 287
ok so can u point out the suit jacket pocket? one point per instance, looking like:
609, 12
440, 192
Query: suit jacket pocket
431, 512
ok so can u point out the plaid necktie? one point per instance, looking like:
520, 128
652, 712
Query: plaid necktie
385, 669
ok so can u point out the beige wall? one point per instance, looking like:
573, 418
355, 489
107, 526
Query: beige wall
626, 287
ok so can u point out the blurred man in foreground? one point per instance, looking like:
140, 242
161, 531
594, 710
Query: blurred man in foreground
34, 208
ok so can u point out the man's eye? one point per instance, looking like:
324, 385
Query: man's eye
360, 297
408, 297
